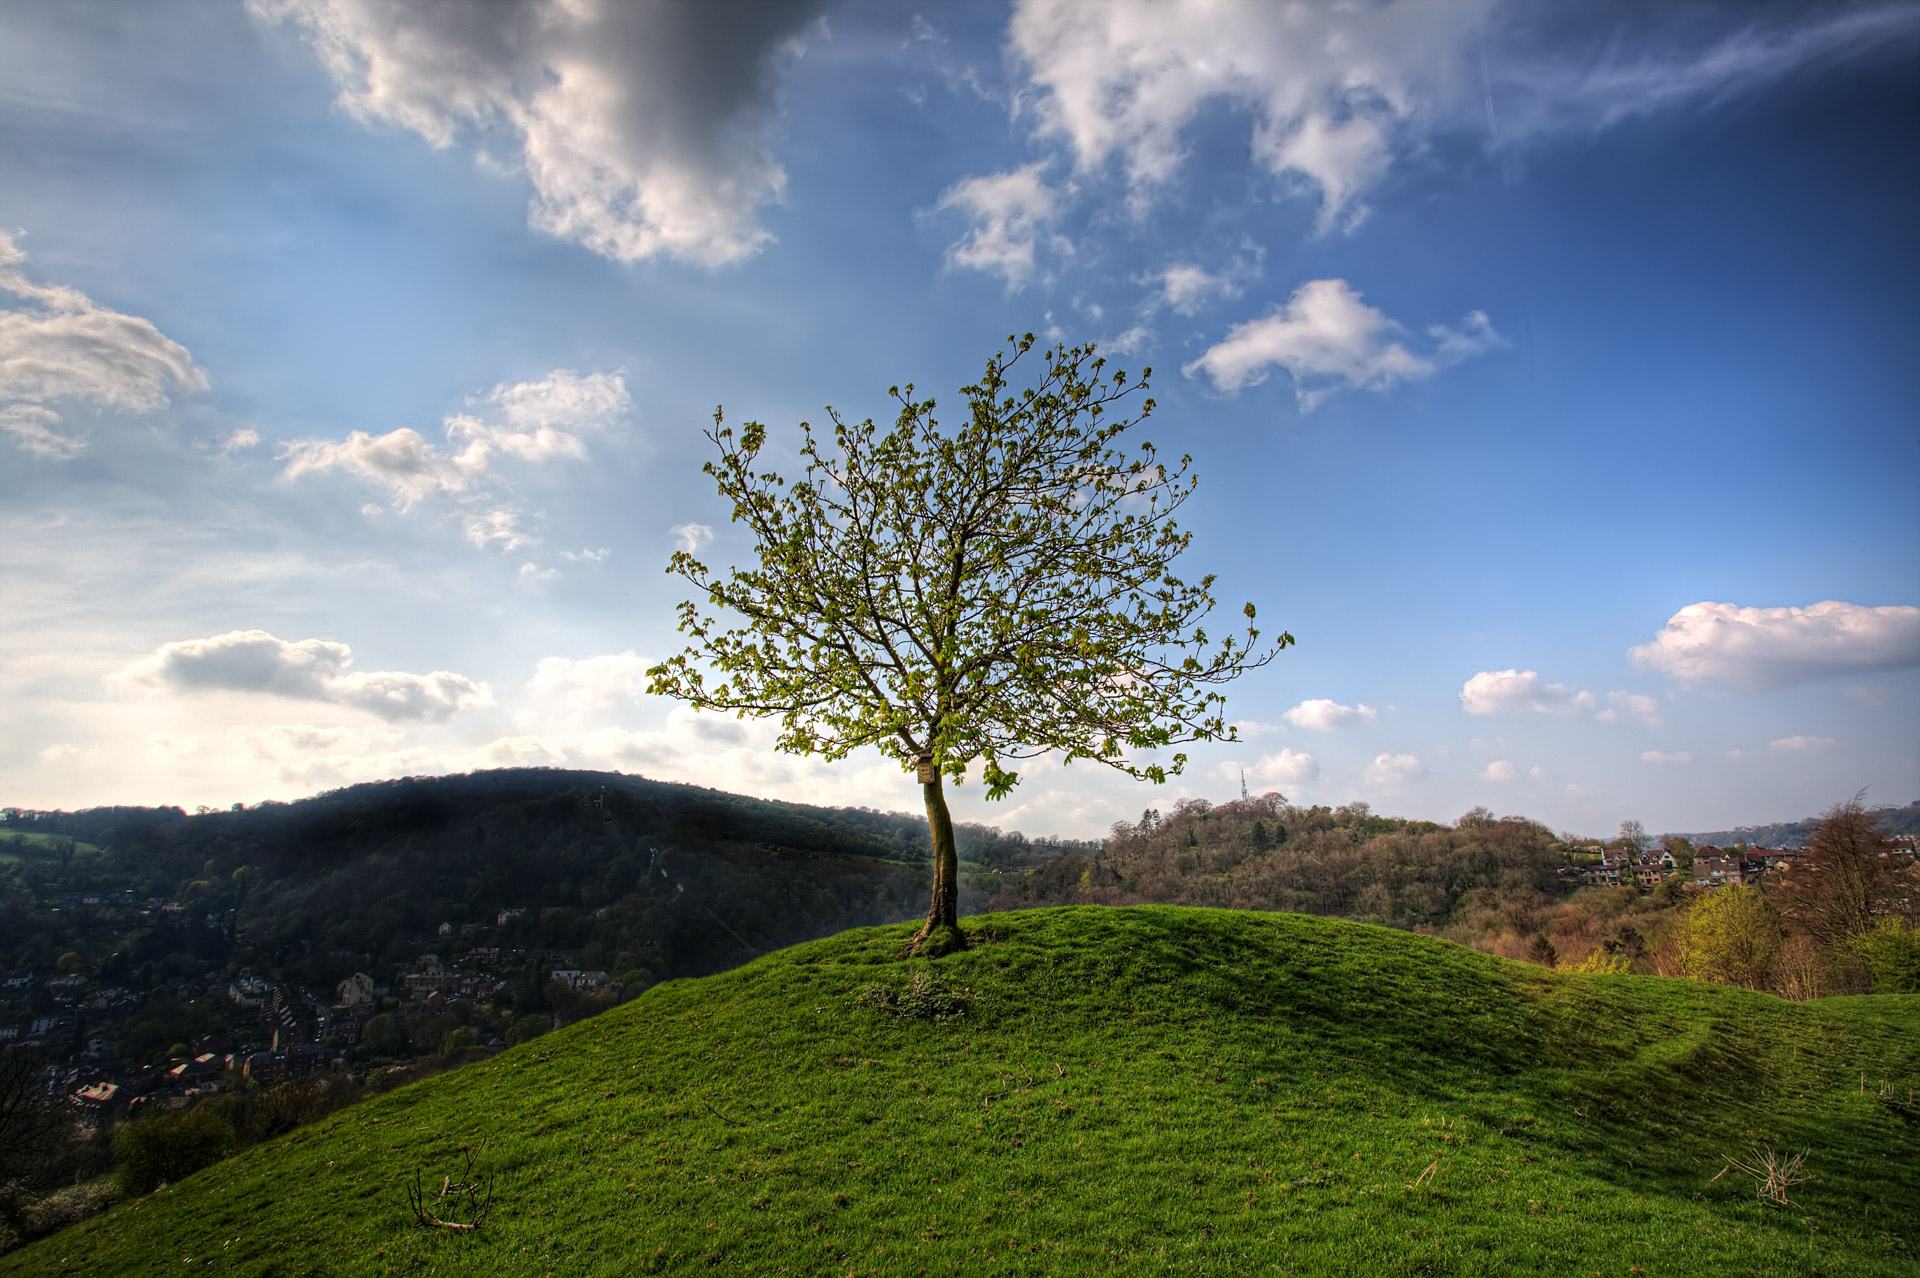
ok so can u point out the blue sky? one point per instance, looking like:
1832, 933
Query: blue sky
1549, 370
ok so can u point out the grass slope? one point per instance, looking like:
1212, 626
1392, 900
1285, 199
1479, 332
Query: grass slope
1144, 1090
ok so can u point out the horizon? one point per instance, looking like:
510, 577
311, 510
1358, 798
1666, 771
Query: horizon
1566, 836
1547, 370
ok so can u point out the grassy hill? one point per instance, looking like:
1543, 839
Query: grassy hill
1147, 1090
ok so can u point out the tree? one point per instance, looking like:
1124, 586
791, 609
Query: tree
163, 1149
1634, 837
34, 1132
1680, 848
1845, 880
1732, 936
979, 596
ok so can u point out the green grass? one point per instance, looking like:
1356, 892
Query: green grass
1151, 1090
37, 844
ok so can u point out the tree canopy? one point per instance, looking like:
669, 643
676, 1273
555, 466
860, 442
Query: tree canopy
978, 596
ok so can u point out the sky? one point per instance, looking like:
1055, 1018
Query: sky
1549, 369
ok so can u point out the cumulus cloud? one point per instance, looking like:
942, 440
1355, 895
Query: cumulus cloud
60, 352
1777, 647
529, 422
591, 682
1499, 770
1328, 339
305, 670
1799, 745
642, 128
1494, 692
1328, 87
1286, 767
1394, 770
1323, 715
1661, 758
1012, 214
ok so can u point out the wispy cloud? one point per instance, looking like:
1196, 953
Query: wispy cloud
61, 352
529, 422
1328, 339
1013, 214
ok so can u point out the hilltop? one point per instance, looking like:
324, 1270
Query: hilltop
1167, 1089
1791, 834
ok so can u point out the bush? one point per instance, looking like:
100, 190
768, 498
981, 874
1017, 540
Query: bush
528, 1027
458, 1040
159, 1151
1892, 953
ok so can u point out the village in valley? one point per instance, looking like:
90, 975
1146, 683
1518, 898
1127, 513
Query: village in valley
95, 1025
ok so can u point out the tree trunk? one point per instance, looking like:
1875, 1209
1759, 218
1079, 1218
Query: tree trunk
942, 931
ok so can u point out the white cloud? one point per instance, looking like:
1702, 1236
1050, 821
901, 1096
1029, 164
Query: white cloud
1328, 339
1499, 770
1661, 758
1776, 647
1012, 214
641, 127
306, 670
691, 537
1799, 745
1287, 767
1634, 705
528, 421
1668, 68
592, 682
1395, 770
61, 351
1520, 692
1186, 288
1323, 715
1328, 86
1335, 93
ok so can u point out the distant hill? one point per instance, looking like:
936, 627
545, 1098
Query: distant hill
642, 877
1150, 1089
1791, 834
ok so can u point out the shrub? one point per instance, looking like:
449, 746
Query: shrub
528, 1027
158, 1151
1731, 936
1892, 953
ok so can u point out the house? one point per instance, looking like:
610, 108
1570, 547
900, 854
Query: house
354, 993
574, 979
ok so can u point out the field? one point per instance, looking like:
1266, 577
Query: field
1148, 1090
33, 844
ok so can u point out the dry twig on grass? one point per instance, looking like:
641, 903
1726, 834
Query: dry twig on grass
1774, 1175
463, 1204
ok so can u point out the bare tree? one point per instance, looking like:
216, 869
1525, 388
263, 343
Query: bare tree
1846, 879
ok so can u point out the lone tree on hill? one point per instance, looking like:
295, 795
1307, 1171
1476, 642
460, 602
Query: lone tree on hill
984, 595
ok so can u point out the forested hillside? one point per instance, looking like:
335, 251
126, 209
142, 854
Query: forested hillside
641, 877
1265, 854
